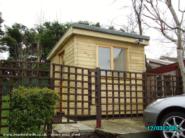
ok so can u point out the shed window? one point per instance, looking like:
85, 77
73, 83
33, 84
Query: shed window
104, 58
119, 59
112, 58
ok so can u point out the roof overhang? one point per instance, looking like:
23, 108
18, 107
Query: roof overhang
85, 30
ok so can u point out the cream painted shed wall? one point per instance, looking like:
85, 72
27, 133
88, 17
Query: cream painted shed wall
68, 57
68, 47
86, 52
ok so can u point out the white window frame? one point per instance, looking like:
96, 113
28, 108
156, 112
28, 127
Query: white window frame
111, 56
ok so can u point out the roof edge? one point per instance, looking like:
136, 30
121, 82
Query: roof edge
57, 46
74, 26
108, 31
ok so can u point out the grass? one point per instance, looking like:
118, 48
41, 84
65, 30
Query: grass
5, 113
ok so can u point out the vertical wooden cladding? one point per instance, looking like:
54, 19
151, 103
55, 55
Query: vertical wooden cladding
86, 54
67, 52
136, 61
85, 51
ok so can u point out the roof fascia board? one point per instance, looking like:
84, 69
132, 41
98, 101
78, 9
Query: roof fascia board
109, 36
108, 31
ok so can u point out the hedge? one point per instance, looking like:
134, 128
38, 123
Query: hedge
31, 109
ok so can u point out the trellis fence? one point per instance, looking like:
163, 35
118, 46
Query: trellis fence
86, 93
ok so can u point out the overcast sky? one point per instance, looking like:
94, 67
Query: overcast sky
107, 12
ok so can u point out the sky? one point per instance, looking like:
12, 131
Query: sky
107, 12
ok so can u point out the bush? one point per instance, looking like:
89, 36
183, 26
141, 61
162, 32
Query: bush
32, 109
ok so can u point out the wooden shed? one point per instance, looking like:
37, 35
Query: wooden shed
88, 46
91, 47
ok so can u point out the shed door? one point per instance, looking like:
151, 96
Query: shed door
61, 58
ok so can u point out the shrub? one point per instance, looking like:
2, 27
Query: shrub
32, 109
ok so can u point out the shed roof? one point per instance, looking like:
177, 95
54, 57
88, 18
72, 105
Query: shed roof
165, 68
159, 61
108, 31
75, 29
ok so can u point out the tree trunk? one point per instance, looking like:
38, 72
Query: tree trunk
39, 52
180, 55
180, 58
180, 49
140, 26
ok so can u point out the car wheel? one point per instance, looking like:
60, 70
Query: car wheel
173, 119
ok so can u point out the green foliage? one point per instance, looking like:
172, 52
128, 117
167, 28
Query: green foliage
111, 28
1, 21
48, 35
32, 109
38, 41
90, 23
15, 37
2, 47
12, 44
50, 32
5, 113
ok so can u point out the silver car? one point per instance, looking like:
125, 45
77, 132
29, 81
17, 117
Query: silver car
167, 113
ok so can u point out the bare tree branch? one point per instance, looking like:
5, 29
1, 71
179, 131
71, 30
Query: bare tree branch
173, 32
138, 8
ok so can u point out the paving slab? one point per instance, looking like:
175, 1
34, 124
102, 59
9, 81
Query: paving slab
69, 128
122, 128
119, 126
112, 128
140, 135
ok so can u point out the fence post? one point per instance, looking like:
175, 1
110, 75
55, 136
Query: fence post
51, 83
49, 130
89, 91
179, 85
145, 95
51, 86
1, 94
52, 76
98, 97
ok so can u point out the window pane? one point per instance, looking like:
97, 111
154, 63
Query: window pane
119, 59
104, 58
